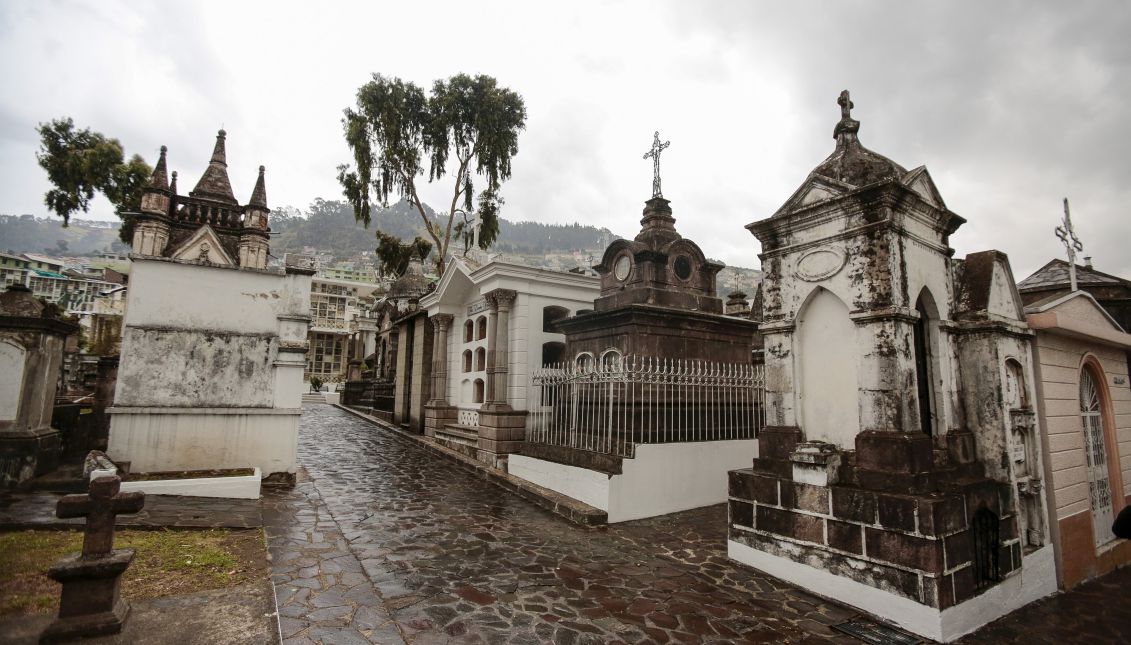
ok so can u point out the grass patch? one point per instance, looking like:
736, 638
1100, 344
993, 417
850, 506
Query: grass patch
167, 562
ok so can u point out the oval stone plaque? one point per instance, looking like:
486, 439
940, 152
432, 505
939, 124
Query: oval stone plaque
819, 264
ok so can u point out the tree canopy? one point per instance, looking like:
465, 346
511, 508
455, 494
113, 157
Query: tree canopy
396, 132
80, 163
395, 255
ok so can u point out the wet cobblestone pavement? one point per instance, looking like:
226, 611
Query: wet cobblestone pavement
385, 542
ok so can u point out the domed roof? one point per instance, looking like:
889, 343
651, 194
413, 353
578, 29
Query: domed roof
413, 284
851, 162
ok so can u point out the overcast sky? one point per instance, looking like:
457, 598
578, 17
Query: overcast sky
1011, 105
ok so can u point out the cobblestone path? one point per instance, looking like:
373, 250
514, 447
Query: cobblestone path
385, 542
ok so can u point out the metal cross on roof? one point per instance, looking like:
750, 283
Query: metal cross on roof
654, 153
1067, 234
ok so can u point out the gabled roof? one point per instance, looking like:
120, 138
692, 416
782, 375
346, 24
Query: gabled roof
194, 248
1055, 274
1077, 314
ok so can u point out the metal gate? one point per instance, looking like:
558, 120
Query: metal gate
1099, 481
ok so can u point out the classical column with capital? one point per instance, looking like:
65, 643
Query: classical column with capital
498, 340
501, 427
441, 323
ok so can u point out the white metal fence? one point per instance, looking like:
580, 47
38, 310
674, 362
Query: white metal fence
623, 401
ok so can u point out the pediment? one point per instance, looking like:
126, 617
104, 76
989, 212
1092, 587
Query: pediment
817, 188
920, 181
204, 246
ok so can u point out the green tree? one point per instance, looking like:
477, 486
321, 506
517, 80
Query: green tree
80, 163
396, 131
394, 255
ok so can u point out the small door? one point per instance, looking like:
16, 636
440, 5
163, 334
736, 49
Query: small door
1099, 480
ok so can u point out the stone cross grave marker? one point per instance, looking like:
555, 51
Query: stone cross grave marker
90, 604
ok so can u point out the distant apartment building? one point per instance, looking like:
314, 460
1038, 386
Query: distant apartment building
340, 327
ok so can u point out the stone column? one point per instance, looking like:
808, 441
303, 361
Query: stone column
441, 323
498, 342
501, 428
437, 411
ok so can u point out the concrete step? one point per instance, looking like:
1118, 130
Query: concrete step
313, 398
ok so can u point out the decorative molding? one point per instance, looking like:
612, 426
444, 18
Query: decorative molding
820, 263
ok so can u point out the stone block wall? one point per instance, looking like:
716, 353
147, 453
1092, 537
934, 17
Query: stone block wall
917, 546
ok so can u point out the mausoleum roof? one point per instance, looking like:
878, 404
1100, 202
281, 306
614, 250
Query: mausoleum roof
852, 163
413, 284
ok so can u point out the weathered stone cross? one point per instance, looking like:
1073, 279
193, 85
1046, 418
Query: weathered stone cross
654, 153
1067, 234
91, 602
845, 105
100, 507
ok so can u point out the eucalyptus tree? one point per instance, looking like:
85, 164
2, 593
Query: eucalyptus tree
80, 163
464, 131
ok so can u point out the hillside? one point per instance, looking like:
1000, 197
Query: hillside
30, 234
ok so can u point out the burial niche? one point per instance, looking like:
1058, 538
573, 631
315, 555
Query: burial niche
828, 381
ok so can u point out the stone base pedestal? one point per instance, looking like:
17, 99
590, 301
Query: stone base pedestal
436, 416
24, 455
91, 603
501, 432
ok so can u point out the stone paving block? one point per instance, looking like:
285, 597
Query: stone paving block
421, 550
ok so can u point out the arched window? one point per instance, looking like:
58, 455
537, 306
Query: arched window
468, 331
551, 315
480, 359
610, 360
584, 362
1016, 394
478, 390
482, 323
552, 353
924, 368
1092, 406
467, 360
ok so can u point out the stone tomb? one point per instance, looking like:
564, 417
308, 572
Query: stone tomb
31, 354
213, 341
646, 446
896, 473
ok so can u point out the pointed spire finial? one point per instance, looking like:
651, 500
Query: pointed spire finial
159, 180
219, 153
847, 124
259, 194
173, 184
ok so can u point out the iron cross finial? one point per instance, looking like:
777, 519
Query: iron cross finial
1067, 235
845, 105
654, 153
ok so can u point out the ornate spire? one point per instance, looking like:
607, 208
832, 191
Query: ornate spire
847, 124
259, 194
219, 153
160, 180
173, 184
214, 184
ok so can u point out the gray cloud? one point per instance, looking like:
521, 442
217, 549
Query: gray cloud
1012, 105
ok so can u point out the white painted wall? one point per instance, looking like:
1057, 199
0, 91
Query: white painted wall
663, 478
1037, 579
154, 440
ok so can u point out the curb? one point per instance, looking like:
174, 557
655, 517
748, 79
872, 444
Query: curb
567, 507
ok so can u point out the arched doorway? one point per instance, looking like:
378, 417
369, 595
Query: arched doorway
924, 368
1092, 406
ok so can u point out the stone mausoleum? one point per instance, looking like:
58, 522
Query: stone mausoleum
213, 341
900, 470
